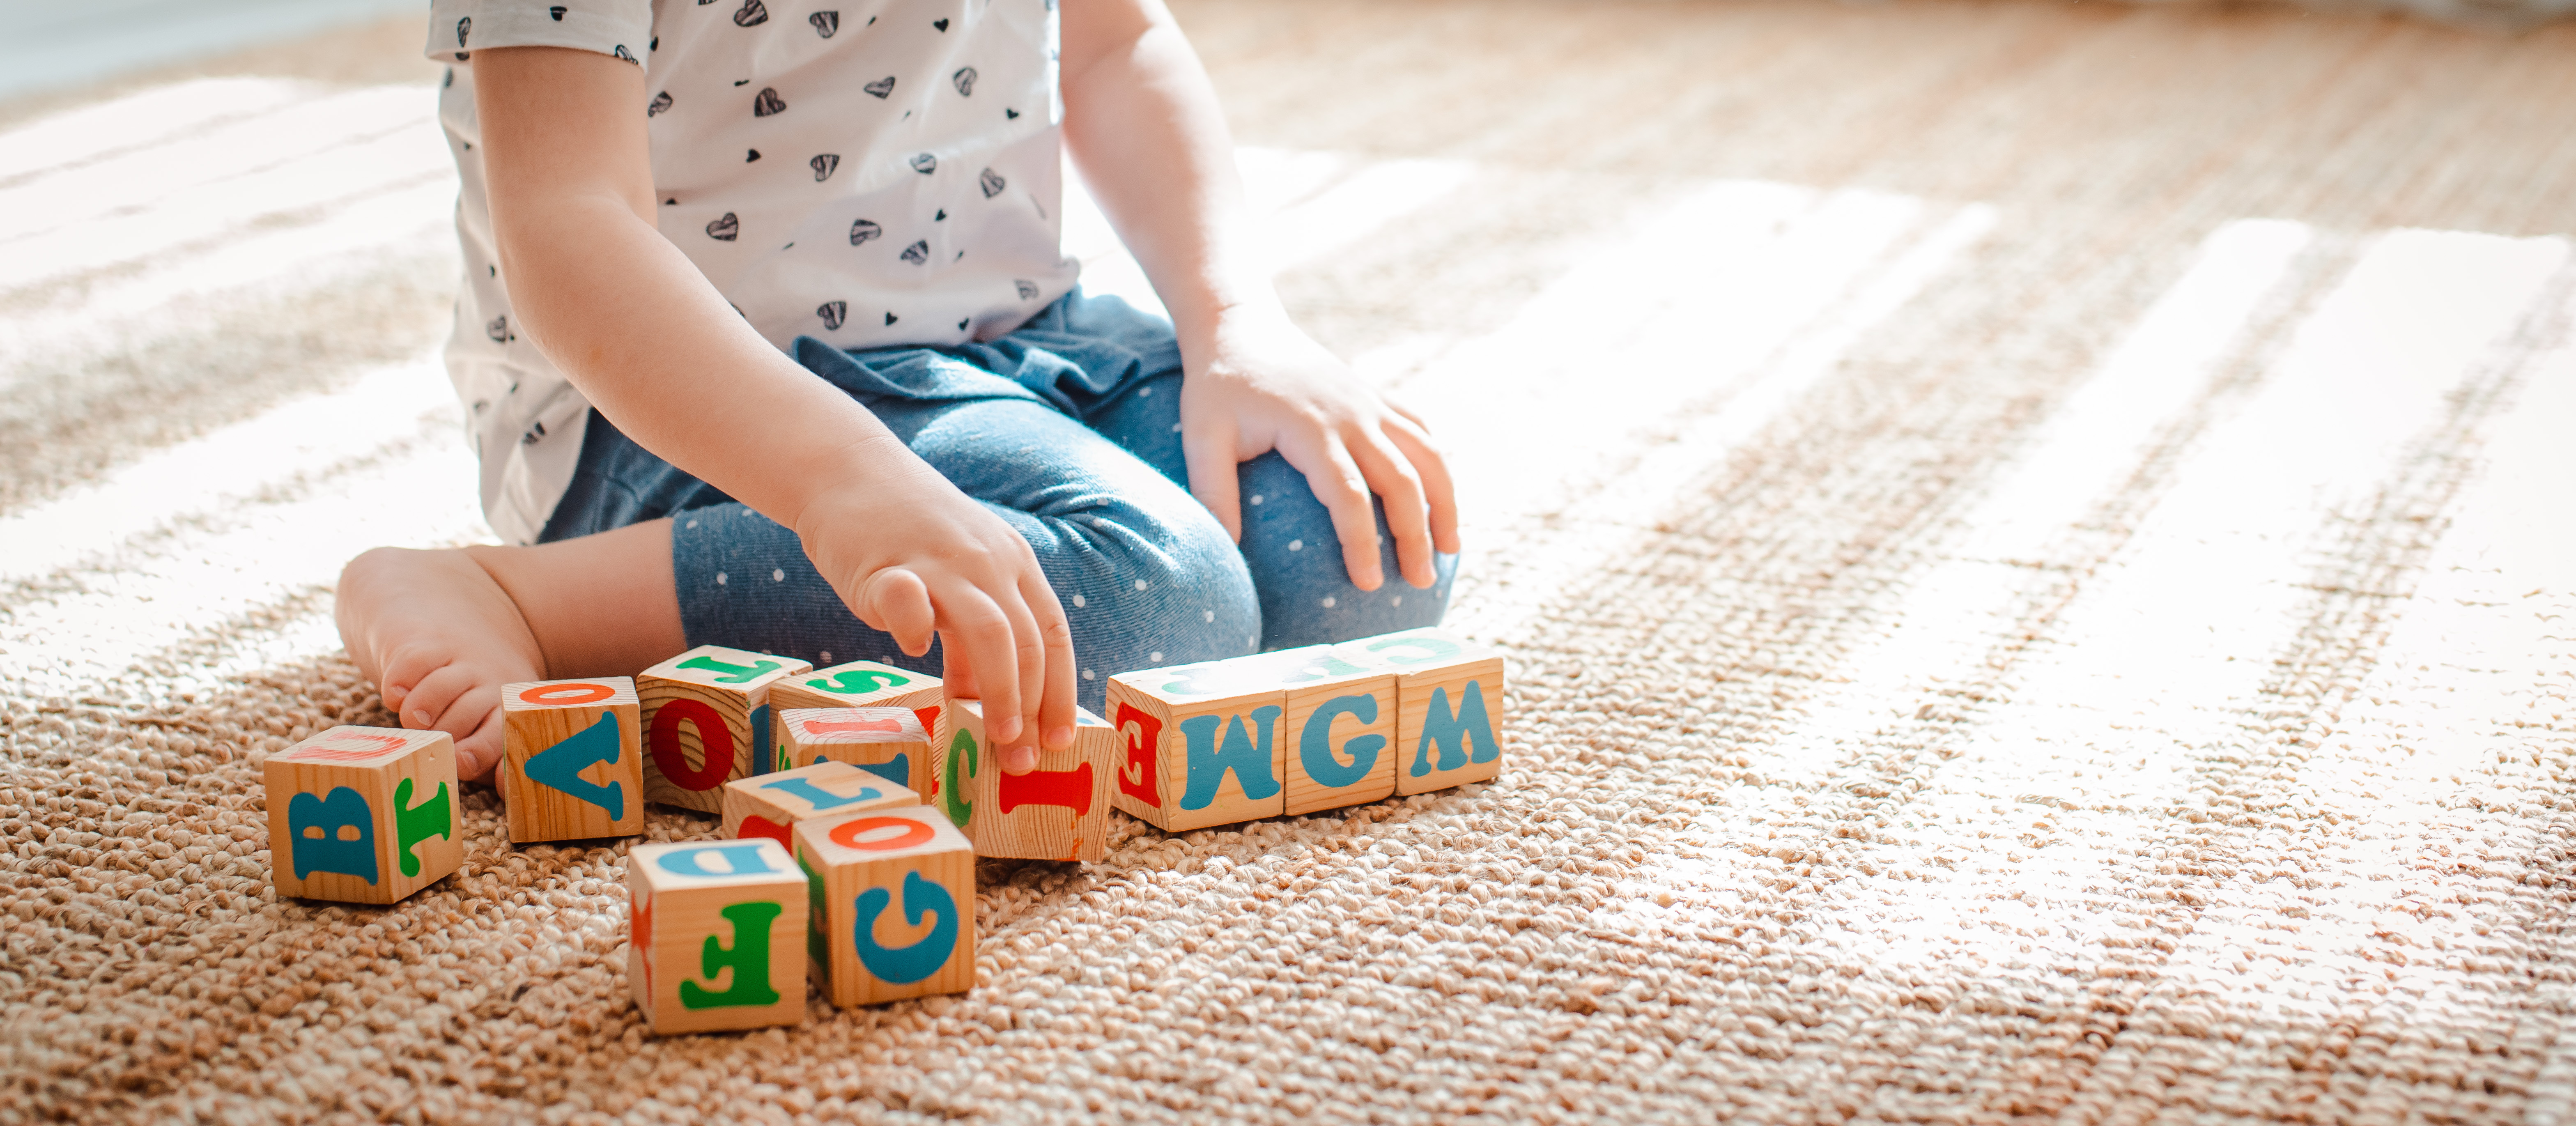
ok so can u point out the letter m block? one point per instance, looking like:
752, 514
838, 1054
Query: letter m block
363, 814
717, 937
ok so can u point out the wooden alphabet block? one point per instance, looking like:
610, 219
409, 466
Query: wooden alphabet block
706, 722
768, 805
1199, 743
363, 814
1059, 810
1336, 739
894, 904
891, 743
718, 933
1449, 717
572, 761
862, 684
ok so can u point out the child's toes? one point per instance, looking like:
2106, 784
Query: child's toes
444, 700
479, 752
404, 670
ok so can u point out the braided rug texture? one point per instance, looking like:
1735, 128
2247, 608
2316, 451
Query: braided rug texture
2049, 597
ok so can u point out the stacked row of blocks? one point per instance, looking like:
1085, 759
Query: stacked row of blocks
856, 798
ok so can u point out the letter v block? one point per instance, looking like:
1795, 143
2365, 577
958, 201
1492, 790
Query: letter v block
363, 814
718, 933
1449, 718
768, 805
891, 743
706, 722
892, 904
1199, 744
572, 763
1059, 810
861, 684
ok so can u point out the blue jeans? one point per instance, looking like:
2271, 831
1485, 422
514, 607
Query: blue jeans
1069, 430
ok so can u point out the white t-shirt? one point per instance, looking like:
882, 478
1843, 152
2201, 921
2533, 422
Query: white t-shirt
865, 172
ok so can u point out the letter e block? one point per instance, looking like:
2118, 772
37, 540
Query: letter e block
706, 722
1449, 722
363, 814
768, 805
572, 762
717, 935
891, 743
1198, 743
893, 904
1059, 810
1337, 738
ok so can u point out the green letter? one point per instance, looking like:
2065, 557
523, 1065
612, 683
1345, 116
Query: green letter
749, 960
735, 674
431, 818
953, 790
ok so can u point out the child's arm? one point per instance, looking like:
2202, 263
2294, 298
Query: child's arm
647, 339
1143, 124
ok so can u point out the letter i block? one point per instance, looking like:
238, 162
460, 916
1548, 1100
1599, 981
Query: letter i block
572, 762
1198, 743
363, 814
717, 935
862, 684
891, 743
1450, 719
1059, 810
706, 722
893, 904
768, 805
1336, 739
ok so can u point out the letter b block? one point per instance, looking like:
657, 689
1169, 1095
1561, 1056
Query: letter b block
1059, 810
768, 805
717, 935
363, 814
1448, 729
706, 722
893, 904
572, 764
1198, 743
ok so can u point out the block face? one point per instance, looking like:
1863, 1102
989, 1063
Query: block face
1337, 735
363, 814
1209, 737
572, 764
768, 805
890, 742
859, 684
893, 904
1059, 810
716, 934
1449, 722
706, 722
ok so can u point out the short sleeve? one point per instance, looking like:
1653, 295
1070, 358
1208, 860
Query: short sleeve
458, 28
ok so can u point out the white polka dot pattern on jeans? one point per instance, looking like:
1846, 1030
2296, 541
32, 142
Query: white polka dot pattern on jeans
778, 576
1140, 584
720, 578
1328, 602
1077, 602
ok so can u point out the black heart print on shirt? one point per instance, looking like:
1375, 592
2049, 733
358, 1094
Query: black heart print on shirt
992, 181
751, 14
724, 229
660, 102
498, 330
557, 12
881, 87
917, 253
925, 164
768, 102
965, 80
825, 23
863, 230
464, 27
832, 312
823, 166
940, 24
1028, 289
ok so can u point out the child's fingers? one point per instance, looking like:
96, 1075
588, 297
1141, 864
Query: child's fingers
1029, 659
1337, 482
895, 601
1055, 701
982, 631
1439, 489
1408, 515
1209, 452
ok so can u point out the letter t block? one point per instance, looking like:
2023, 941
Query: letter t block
572, 764
706, 722
1198, 743
893, 904
363, 814
717, 935
1059, 810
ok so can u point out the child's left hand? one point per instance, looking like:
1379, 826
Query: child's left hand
1262, 384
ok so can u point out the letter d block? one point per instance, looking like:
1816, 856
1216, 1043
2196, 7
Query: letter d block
1059, 810
717, 935
1448, 726
572, 763
891, 743
706, 722
768, 805
363, 814
1336, 741
1198, 743
893, 904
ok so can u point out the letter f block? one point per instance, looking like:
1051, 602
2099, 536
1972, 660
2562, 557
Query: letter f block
1198, 745
717, 935
1059, 810
893, 904
1449, 719
706, 722
363, 814
572, 763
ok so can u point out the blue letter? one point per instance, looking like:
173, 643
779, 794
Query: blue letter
1247, 757
560, 766
904, 965
898, 772
1315, 748
325, 850
818, 797
1456, 733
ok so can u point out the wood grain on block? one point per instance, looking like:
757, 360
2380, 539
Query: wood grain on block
706, 722
1058, 810
895, 896
1198, 744
862, 684
1449, 715
363, 814
717, 937
1337, 737
572, 759
768, 805
891, 743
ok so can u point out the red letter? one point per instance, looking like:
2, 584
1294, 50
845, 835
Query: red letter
1136, 778
1068, 788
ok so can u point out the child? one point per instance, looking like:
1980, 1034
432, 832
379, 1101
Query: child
767, 341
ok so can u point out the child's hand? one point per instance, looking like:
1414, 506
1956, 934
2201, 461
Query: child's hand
911, 555
1265, 385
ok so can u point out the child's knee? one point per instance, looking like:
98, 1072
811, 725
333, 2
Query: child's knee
1295, 557
1143, 588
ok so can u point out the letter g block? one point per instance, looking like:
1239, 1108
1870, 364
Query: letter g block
572, 764
893, 904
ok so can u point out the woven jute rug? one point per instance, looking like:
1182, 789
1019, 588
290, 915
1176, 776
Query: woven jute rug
2033, 540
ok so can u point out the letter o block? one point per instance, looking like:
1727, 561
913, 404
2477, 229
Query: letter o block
863, 684
706, 722
768, 805
1448, 729
363, 814
1059, 810
1198, 743
891, 743
717, 933
572, 764
893, 904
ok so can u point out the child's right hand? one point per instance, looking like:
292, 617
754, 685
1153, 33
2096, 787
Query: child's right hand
913, 556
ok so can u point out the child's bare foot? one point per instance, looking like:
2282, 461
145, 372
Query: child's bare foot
439, 638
